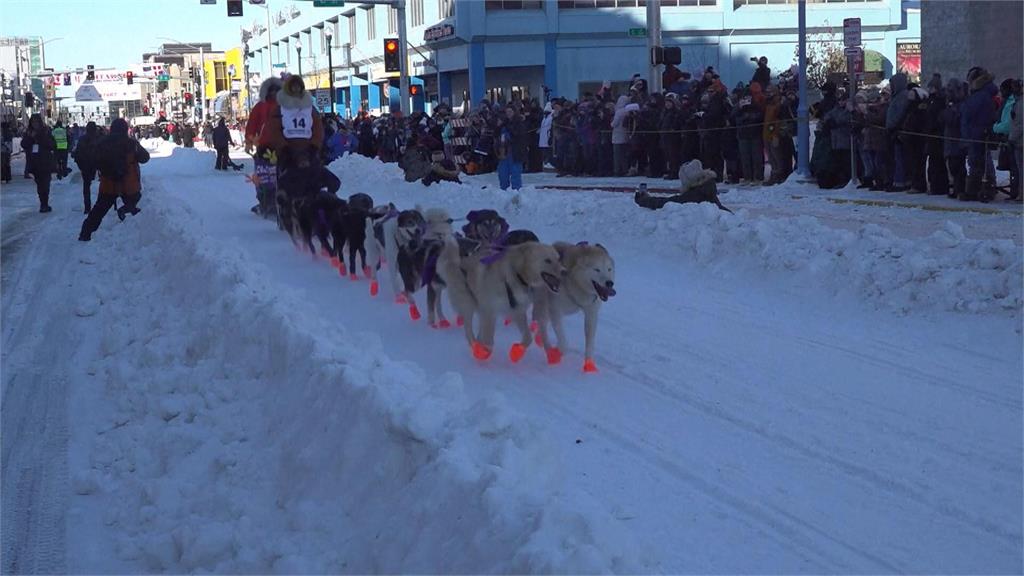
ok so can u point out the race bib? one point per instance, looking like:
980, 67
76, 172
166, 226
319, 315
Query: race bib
297, 123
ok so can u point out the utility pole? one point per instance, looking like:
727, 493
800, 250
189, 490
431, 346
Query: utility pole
653, 39
330, 64
202, 85
803, 138
403, 54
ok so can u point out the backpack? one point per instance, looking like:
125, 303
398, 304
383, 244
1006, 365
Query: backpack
113, 161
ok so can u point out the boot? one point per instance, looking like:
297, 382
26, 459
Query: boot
973, 188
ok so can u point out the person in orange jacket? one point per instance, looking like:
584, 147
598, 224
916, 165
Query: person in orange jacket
117, 157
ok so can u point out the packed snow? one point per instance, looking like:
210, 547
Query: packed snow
778, 392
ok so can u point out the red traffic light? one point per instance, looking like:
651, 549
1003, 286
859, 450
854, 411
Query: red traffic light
390, 46
129, 76
414, 89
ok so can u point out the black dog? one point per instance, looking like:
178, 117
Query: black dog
316, 216
360, 208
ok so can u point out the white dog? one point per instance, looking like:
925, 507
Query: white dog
588, 282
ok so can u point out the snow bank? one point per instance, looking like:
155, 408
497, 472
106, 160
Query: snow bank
944, 271
245, 435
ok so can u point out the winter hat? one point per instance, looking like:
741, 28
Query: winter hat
917, 94
268, 85
689, 172
294, 86
119, 126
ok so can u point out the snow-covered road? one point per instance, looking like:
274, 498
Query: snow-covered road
776, 394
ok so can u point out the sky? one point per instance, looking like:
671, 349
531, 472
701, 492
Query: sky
115, 33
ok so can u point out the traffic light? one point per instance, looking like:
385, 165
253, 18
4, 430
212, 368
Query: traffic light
391, 60
90, 73
414, 90
191, 73
234, 7
129, 77
666, 55
67, 79
30, 100
188, 98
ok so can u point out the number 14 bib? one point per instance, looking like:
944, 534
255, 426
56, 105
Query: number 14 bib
297, 122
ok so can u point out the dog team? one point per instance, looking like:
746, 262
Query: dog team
487, 271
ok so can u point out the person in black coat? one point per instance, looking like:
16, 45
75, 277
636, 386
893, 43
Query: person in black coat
221, 141
712, 119
6, 150
85, 157
938, 177
763, 74
39, 147
671, 140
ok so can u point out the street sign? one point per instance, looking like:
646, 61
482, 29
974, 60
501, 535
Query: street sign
851, 32
323, 99
207, 1
855, 56
438, 32
328, 3
163, 77
638, 32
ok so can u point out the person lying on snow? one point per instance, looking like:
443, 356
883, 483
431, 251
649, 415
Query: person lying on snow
117, 158
697, 185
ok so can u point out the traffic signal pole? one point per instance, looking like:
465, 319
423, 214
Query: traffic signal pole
403, 54
653, 39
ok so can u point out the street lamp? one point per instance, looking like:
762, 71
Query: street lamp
202, 75
298, 48
329, 36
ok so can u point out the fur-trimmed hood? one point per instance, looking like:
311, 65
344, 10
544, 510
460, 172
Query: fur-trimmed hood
693, 174
304, 100
267, 84
980, 80
293, 94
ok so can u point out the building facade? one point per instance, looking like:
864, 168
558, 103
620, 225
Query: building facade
22, 58
956, 36
503, 49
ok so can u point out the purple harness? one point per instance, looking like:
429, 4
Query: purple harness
498, 246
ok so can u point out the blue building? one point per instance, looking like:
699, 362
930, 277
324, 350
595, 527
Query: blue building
502, 49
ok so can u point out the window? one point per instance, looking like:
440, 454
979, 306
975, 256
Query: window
371, 23
416, 13
392, 21
514, 4
220, 75
520, 93
739, 3
570, 4
446, 8
352, 29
